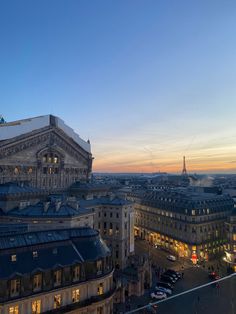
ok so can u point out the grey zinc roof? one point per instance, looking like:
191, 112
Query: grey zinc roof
37, 210
47, 259
105, 201
73, 245
14, 188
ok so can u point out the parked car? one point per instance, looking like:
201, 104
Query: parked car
172, 276
164, 290
158, 295
168, 279
164, 284
171, 271
171, 258
213, 275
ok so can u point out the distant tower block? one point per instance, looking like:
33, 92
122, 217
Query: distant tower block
184, 171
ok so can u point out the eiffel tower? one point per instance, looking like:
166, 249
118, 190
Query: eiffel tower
184, 171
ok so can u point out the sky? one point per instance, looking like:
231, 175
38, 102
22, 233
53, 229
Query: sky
147, 81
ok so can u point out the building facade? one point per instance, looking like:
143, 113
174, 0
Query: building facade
114, 218
63, 271
189, 222
43, 151
230, 247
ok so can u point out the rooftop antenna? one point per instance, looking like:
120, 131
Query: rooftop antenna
184, 171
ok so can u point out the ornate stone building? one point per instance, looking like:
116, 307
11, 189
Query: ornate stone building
230, 247
63, 271
43, 151
189, 222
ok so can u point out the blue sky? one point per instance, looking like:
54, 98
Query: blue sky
146, 81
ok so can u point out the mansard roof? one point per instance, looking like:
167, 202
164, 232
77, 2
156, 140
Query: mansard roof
12, 188
53, 210
20, 127
56, 248
116, 201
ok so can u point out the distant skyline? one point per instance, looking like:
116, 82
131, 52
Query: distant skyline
146, 81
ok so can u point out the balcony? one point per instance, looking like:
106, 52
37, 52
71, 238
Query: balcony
81, 304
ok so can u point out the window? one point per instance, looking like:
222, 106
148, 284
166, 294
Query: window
13, 258
57, 277
100, 289
14, 309
110, 215
36, 307
76, 273
117, 229
35, 254
16, 170
75, 295
117, 215
37, 282
110, 230
99, 267
234, 237
57, 301
15, 287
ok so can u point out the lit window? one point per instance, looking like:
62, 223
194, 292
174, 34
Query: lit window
75, 295
100, 289
76, 273
57, 301
15, 287
35, 254
13, 258
14, 309
234, 237
30, 170
193, 212
16, 170
57, 278
36, 307
37, 282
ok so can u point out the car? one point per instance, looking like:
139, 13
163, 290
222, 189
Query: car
174, 276
171, 258
164, 285
213, 275
171, 271
168, 279
165, 290
158, 295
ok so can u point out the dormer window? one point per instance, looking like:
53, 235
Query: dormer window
13, 258
15, 287
57, 278
35, 254
76, 273
37, 282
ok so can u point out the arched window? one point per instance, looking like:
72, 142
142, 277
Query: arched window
16, 170
51, 158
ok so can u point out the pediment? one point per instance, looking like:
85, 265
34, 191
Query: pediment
32, 145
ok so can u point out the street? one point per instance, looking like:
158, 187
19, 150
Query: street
212, 299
